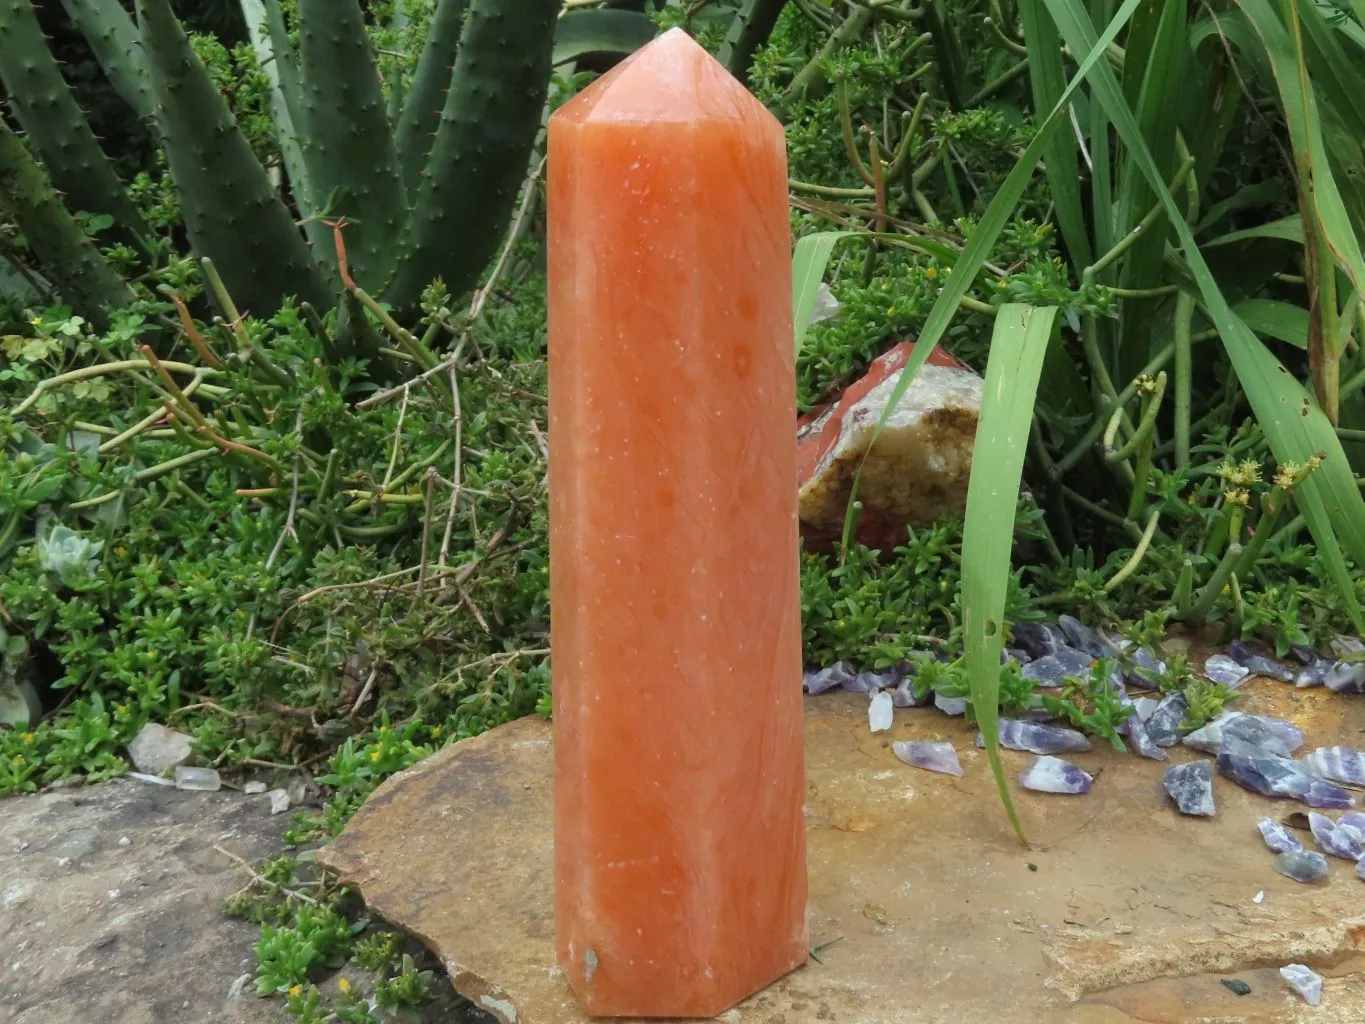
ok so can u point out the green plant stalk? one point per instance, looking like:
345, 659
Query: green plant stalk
1208, 594
1183, 593
1271, 509
56, 128
482, 147
99, 370
171, 465
232, 211
1184, 318
68, 257
1146, 428
1324, 357
1129, 567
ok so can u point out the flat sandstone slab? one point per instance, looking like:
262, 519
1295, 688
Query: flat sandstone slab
1122, 911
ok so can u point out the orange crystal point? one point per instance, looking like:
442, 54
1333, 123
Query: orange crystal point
680, 879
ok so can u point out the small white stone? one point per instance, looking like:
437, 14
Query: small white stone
1304, 981
124, 841
113, 894
880, 712
1259, 897
279, 801
63, 861
253, 787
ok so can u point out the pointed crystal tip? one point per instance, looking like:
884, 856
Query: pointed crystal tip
670, 78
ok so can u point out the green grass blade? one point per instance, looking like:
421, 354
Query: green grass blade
1289, 229
1283, 321
600, 30
1047, 77
809, 259
1018, 347
1305, 135
1334, 73
1294, 426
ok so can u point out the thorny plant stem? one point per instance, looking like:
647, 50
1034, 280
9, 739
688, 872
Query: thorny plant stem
1129, 567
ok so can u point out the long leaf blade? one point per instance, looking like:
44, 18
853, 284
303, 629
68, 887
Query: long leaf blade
809, 259
1018, 347
1294, 426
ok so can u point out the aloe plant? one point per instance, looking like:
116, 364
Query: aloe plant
57, 130
70, 259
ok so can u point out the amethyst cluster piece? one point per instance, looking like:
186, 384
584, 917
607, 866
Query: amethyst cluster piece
1190, 785
1048, 774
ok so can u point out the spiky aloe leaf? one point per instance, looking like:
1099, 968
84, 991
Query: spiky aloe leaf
232, 212
113, 39
749, 29
68, 258
601, 30
56, 128
482, 146
427, 93
352, 165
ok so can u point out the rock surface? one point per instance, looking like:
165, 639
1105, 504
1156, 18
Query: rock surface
111, 904
1123, 911
919, 466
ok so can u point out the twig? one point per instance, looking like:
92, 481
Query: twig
288, 530
397, 443
364, 691
260, 879
455, 480
426, 532
192, 333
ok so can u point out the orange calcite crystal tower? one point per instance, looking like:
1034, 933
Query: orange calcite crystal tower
680, 877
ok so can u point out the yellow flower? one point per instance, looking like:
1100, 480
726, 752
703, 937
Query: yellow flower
931, 273
374, 755
435, 731
344, 985
383, 728
28, 737
120, 551
296, 991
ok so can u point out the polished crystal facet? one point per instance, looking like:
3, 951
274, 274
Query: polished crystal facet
680, 870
